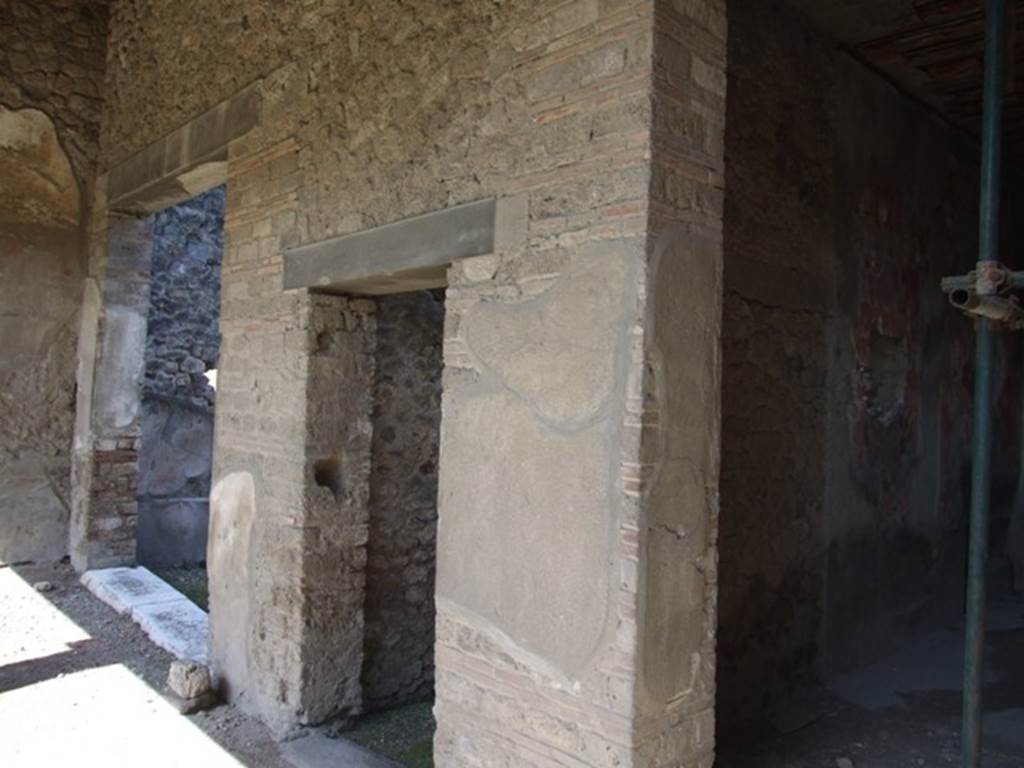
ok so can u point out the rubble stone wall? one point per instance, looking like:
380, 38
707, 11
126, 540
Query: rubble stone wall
183, 337
402, 549
53, 58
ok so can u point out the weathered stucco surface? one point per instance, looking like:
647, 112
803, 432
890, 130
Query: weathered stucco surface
52, 58
846, 393
39, 242
51, 72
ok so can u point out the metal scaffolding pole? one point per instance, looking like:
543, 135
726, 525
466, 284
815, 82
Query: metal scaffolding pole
988, 258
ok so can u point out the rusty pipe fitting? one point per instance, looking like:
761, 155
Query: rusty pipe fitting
995, 308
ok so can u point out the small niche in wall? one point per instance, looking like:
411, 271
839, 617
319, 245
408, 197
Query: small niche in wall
327, 474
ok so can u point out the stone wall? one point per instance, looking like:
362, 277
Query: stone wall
398, 666
846, 391
51, 76
551, 546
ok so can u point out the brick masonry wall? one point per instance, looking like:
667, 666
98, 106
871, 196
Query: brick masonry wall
51, 78
402, 549
371, 112
845, 405
283, 189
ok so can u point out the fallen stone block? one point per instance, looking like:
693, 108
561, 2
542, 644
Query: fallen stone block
187, 679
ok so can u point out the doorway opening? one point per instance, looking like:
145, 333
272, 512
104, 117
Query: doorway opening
398, 651
178, 393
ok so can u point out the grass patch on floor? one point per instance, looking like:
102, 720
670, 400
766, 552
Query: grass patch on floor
191, 582
405, 735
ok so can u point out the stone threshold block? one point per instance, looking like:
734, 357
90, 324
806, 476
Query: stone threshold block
315, 750
408, 255
170, 619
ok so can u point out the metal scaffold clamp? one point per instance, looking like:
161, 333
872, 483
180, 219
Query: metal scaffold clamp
985, 292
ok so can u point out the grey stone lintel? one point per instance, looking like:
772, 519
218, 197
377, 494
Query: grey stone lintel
407, 255
187, 161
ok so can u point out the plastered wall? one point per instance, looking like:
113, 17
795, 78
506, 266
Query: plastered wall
846, 382
51, 79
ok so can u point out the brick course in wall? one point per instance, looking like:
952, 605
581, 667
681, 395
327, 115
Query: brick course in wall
111, 366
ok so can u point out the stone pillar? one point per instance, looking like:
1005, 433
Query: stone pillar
289, 510
576, 584
339, 397
292, 441
111, 363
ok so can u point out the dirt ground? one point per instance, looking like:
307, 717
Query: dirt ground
66, 651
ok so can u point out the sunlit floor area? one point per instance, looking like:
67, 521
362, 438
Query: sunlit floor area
106, 713
81, 685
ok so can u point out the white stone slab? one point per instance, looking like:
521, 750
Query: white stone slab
179, 627
125, 589
171, 620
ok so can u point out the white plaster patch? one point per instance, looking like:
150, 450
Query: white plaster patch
559, 352
117, 378
477, 269
171, 620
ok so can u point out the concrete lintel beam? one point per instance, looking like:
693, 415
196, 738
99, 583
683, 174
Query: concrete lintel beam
411, 254
187, 161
